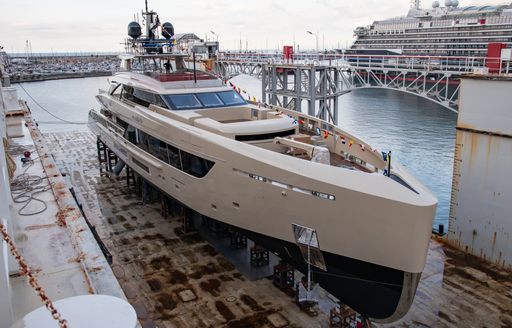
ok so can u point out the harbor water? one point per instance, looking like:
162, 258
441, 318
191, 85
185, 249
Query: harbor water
420, 133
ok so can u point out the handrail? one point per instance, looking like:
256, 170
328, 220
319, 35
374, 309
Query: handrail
445, 64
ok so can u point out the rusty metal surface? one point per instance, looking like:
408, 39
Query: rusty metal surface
481, 206
485, 105
53, 249
482, 197
179, 281
98, 273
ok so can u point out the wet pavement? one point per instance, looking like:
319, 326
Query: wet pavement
177, 280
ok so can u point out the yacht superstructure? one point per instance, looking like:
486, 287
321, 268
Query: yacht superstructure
438, 31
295, 184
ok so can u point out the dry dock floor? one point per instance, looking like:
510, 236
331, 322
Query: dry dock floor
176, 280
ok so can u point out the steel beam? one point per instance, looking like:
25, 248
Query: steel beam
320, 85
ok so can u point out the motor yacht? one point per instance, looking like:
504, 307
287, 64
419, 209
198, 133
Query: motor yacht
323, 200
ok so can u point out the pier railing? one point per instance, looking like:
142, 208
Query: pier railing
445, 64
325, 76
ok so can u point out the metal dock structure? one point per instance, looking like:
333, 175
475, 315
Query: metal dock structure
481, 207
320, 79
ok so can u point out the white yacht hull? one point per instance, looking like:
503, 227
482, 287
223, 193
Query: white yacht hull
374, 236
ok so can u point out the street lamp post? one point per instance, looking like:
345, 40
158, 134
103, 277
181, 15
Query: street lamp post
316, 37
216, 39
216, 35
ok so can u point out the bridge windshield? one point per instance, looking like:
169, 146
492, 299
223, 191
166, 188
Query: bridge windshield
204, 100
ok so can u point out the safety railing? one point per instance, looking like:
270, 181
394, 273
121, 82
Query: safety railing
438, 64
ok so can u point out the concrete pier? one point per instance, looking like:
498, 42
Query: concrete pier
56, 76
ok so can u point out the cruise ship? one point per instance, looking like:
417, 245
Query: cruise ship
437, 31
320, 198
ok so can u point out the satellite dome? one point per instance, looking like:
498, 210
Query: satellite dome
134, 30
435, 4
167, 30
455, 3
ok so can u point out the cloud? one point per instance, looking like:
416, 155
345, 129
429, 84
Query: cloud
100, 25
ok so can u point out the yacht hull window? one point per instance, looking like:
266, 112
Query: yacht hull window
180, 159
141, 97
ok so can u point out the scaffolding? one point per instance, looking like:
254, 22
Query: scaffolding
289, 85
319, 79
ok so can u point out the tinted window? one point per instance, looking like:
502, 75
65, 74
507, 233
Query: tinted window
133, 95
210, 99
127, 93
231, 98
142, 97
189, 163
158, 149
143, 140
160, 102
183, 101
174, 156
121, 123
195, 165
131, 134
204, 100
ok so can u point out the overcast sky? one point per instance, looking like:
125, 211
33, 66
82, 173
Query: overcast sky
100, 25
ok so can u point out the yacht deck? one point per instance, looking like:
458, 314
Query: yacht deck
335, 159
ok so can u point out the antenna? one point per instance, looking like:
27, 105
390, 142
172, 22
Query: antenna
146, 5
